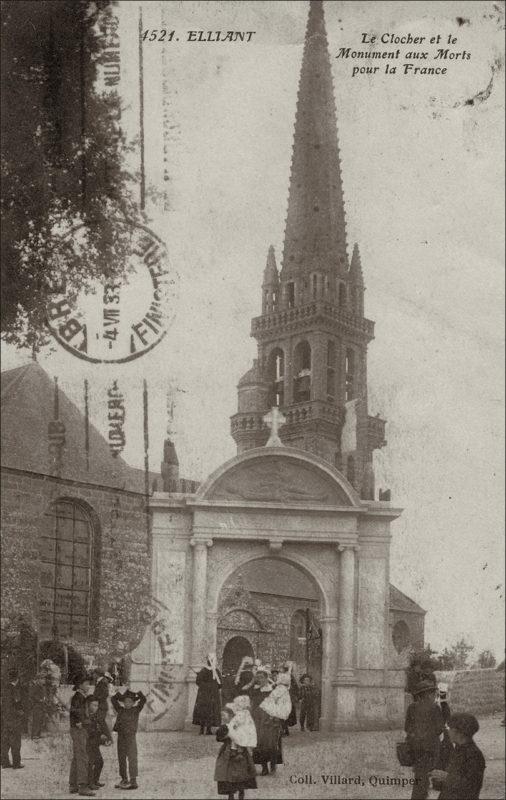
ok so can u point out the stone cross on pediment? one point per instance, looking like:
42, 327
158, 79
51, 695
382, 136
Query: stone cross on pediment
274, 420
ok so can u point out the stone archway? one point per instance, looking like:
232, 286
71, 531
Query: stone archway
233, 653
270, 590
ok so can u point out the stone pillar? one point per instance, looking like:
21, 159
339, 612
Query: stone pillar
329, 667
199, 627
345, 716
346, 610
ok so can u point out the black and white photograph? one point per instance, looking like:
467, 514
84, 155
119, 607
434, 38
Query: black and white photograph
252, 399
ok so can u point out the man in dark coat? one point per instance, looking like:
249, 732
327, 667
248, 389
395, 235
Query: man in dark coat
424, 725
12, 720
78, 778
463, 778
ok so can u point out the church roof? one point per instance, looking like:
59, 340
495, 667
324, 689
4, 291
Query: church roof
401, 602
279, 578
27, 404
283, 579
315, 232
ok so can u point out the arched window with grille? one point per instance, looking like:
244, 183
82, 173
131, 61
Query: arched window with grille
342, 296
66, 548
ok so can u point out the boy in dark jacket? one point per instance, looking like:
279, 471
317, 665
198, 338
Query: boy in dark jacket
464, 776
127, 706
97, 733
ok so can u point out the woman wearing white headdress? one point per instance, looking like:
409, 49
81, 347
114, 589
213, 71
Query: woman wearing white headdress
271, 704
207, 709
289, 668
235, 770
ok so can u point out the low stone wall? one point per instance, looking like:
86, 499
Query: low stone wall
478, 691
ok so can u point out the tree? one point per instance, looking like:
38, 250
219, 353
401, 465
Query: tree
63, 161
486, 660
455, 657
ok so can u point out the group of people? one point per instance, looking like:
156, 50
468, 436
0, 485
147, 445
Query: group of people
251, 711
440, 744
89, 729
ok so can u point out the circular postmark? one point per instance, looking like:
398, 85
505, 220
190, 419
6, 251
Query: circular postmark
122, 318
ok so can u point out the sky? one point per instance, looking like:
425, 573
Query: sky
423, 182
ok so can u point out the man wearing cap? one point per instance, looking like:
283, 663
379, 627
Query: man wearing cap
424, 725
464, 778
12, 720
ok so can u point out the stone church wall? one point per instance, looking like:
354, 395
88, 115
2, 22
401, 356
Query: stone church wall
121, 578
272, 642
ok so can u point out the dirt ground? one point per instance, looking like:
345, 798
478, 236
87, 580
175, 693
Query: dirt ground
181, 765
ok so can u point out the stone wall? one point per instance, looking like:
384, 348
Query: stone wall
271, 639
121, 576
478, 691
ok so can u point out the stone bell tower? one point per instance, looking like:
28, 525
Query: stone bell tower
312, 334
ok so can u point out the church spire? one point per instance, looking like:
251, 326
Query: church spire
356, 274
315, 233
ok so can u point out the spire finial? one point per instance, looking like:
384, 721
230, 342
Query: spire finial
271, 270
356, 266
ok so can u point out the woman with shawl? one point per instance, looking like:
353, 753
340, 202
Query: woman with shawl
289, 669
268, 713
207, 709
235, 770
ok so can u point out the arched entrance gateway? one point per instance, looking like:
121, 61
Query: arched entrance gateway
275, 605
265, 515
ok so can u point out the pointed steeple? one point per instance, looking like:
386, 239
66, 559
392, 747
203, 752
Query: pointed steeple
270, 285
356, 274
271, 275
315, 233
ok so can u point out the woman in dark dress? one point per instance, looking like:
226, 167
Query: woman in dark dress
235, 770
294, 697
268, 726
207, 709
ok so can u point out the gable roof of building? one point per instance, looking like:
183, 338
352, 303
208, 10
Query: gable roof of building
27, 403
401, 602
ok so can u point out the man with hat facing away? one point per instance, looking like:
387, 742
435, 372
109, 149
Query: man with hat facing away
424, 725
101, 693
12, 720
127, 706
464, 777
78, 780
